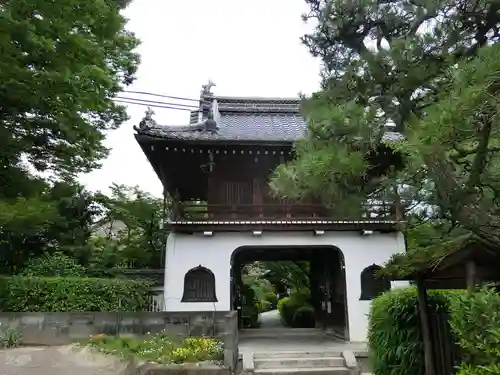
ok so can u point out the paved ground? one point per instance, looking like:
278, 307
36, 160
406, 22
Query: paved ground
271, 336
296, 344
270, 319
58, 360
74, 360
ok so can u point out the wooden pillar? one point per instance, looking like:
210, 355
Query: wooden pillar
257, 197
177, 211
470, 275
425, 327
314, 283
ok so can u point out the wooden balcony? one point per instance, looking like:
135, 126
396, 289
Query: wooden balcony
200, 212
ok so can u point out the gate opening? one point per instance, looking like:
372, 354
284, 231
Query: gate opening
290, 287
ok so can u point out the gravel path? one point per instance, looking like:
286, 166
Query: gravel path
270, 319
58, 360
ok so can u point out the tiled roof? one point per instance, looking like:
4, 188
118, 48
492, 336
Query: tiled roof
243, 119
240, 126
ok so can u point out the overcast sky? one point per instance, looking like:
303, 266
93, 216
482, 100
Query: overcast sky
248, 48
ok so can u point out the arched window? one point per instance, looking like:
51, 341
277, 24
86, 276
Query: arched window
371, 285
199, 285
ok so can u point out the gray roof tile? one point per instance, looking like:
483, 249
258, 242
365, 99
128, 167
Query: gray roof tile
245, 119
241, 127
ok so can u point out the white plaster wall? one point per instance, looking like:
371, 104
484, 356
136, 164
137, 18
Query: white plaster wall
214, 252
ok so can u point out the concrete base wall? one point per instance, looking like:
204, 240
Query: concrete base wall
65, 328
190, 369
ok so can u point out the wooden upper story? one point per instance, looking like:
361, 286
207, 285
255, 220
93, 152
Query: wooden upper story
217, 168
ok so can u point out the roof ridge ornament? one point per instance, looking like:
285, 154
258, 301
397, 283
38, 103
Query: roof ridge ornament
209, 107
206, 90
147, 121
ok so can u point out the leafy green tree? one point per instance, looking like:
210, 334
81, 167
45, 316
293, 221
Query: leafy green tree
52, 265
61, 66
423, 233
58, 219
253, 278
142, 242
78, 209
259, 280
428, 70
295, 275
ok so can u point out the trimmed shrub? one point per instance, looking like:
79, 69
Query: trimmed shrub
56, 264
4, 283
304, 317
272, 298
72, 294
263, 306
248, 295
289, 305
475, 320
303, 295
394, 336
284, 306
250, 314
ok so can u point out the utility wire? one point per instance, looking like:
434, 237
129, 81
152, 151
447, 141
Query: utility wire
157, 102
160, 95
171, 106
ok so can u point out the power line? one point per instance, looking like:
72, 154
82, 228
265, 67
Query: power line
160, 95
157, 102
153, 105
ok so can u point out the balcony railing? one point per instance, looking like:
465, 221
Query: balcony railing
189, 211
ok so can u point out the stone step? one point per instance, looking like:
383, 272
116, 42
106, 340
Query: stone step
304, 371
300, 362
296, 354
281, 332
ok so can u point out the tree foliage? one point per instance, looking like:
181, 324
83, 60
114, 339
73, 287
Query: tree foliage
68, 219
142, 241
428, 71
53, 265
72, 294
59, 217
479, 347
62, 64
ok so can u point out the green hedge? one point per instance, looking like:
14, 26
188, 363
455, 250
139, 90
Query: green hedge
289, 305
71, 294
475, 320
250, 316
394, 335
272, 298
395, 340
304, 317
53, 265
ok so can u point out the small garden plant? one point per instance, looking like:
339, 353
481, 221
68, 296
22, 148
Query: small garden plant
159, 348
10, 336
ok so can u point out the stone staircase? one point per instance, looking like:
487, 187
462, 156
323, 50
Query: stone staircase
297, 351
303, 363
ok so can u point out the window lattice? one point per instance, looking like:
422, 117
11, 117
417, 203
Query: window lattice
373, 286
199, 286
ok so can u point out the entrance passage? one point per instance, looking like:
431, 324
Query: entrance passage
290, 287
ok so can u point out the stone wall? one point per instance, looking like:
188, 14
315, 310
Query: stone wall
230, 339
65, 328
